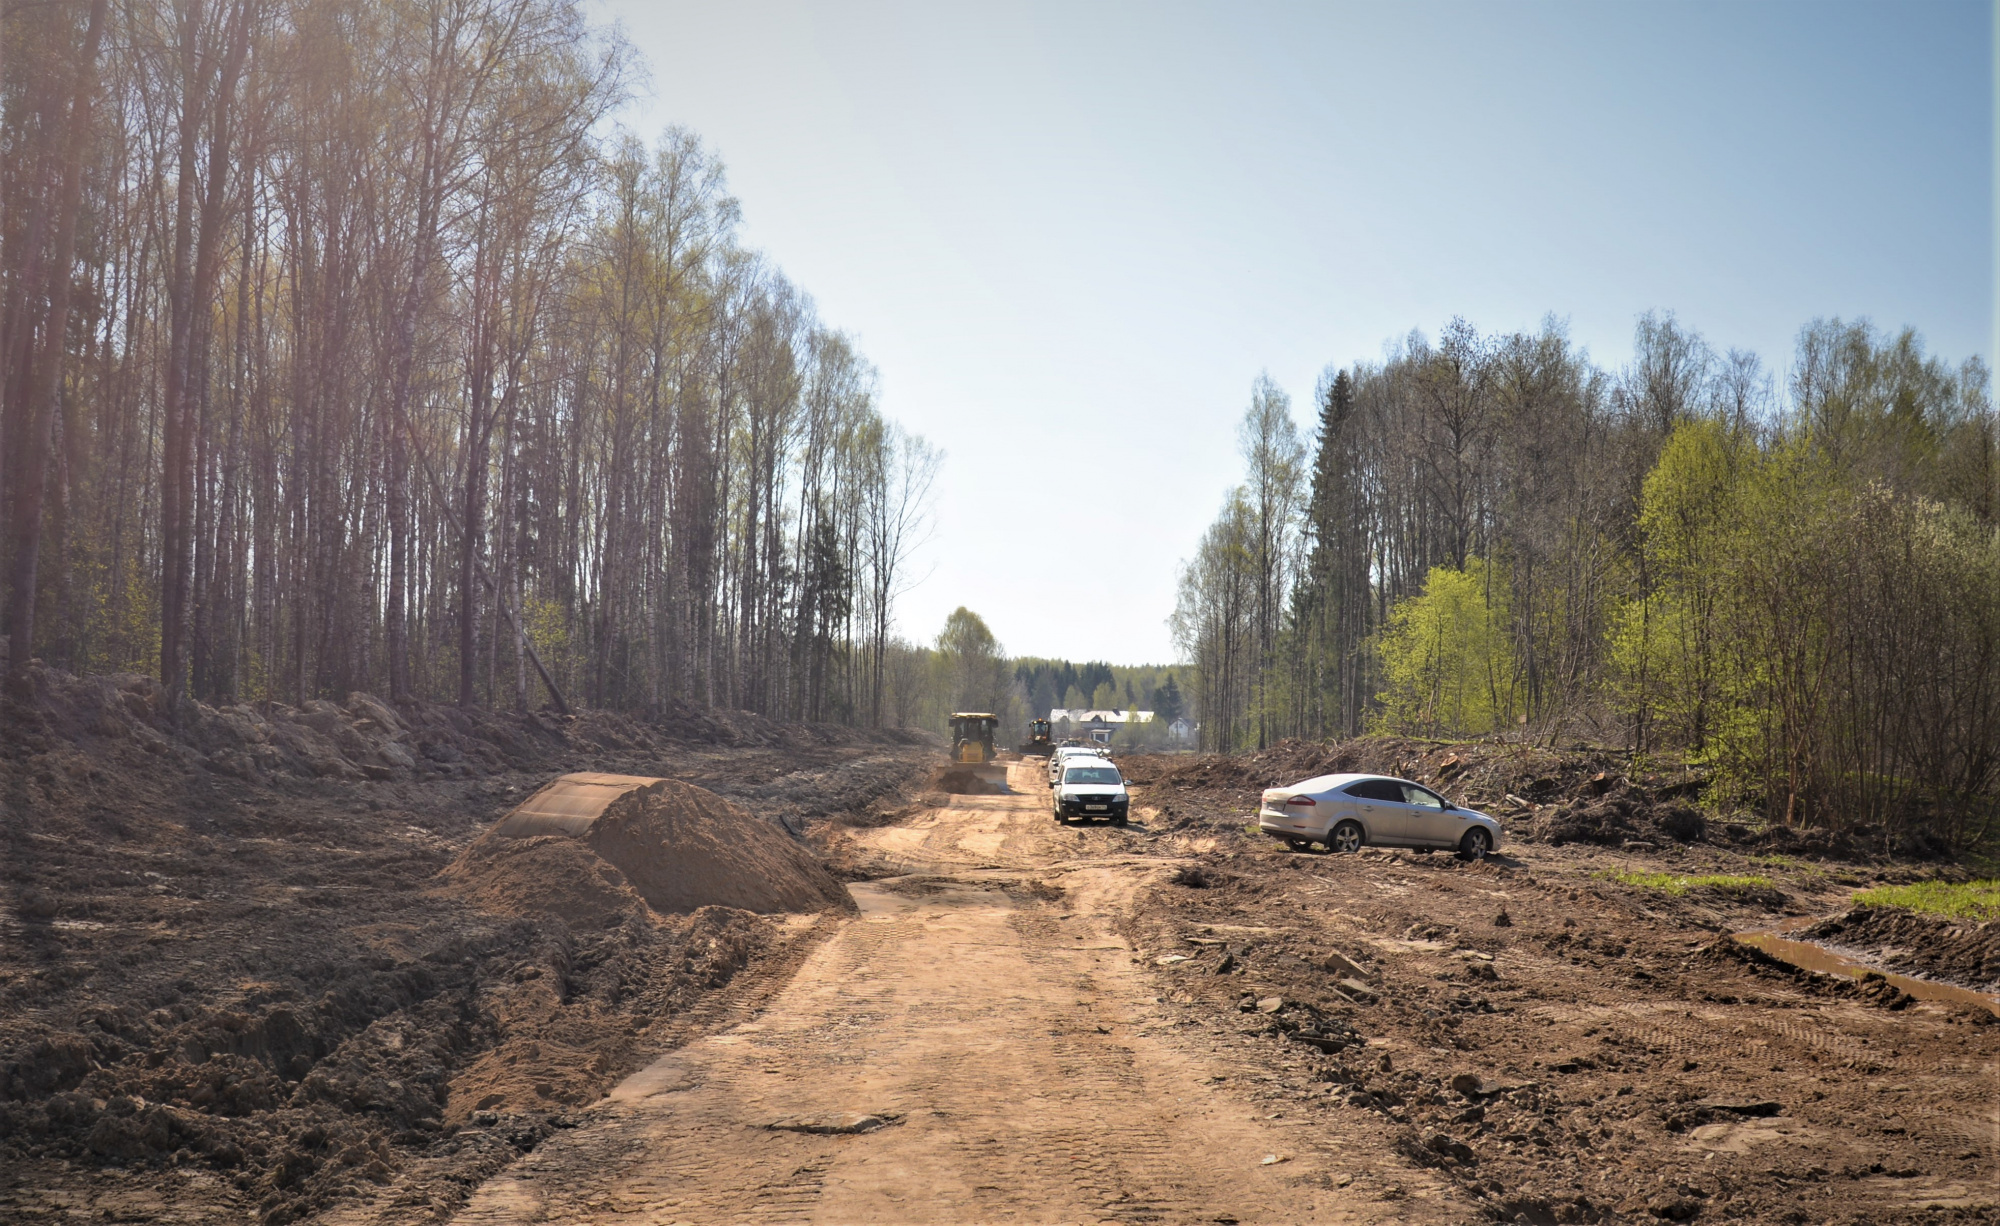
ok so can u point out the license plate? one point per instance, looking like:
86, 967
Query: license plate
1095, 808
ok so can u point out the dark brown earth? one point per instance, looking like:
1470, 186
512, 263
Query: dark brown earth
1565, 1047
1953, 951
237, 985
234, 987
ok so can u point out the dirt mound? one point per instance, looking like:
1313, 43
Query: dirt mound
674, 845
1950, 951
227, 952
1546, 796
549, 874
964, 781
367, 739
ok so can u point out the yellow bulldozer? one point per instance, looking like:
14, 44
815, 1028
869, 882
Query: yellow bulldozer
974, 760
1039, 743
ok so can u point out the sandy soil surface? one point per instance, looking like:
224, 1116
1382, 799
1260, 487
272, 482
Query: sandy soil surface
978, 1047
1180, 1022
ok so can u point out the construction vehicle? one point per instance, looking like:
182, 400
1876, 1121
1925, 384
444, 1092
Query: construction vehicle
1038, 744
974, 760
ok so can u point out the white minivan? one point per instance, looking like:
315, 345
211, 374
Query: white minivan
1091, 787
1063, 754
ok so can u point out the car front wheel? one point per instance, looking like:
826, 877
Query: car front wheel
1475, 844
1345, 838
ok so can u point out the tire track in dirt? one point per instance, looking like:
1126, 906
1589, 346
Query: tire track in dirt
1014, 1061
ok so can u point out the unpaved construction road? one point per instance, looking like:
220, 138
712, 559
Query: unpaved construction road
998, 1033
1034, 1023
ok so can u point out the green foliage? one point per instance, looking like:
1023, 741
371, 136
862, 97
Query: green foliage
1800, 592
1446, 656
1826, 642
1677, 884
975, 673
1663, 649
547, 626
1978, 901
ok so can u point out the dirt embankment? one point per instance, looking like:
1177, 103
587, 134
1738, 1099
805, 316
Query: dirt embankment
1958, 952
1544, 796
670, 846
1558, 1034
233, 983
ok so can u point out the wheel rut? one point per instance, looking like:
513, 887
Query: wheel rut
999, 1041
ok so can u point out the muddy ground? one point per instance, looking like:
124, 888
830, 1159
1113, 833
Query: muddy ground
232, 989
1564, 1047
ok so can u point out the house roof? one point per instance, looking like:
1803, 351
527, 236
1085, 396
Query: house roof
1086, 715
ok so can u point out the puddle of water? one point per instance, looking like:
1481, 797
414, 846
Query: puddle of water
1811, 957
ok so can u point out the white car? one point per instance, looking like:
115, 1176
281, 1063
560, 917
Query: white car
1063, 754
1346, 811
1091, 787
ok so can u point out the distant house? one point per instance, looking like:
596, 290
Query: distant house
1183, 731
1097, 726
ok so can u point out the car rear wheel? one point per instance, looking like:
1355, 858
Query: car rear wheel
1296, 843
1345, 838
1475, 844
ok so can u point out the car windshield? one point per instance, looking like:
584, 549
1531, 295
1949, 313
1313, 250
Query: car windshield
1090, 774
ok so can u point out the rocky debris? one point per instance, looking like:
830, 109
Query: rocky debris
1671, 1207
1336, 964
847, 1123
1759, 1109
1355, 990
1196, 877
1444, 1145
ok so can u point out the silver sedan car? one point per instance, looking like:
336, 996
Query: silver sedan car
1346, 811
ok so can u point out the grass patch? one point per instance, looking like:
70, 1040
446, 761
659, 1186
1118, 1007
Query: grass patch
1676, 884
1977, 901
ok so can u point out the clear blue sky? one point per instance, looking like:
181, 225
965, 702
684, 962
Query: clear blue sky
1071, 234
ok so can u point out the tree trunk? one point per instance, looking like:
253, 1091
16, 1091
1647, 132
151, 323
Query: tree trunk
44, 382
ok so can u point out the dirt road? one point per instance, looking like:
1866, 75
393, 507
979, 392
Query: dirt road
976, 1047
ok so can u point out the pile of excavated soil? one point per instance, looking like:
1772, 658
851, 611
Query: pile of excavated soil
676, 846
549, 874
231, 987
1950, 951
568, 1039
964, 781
